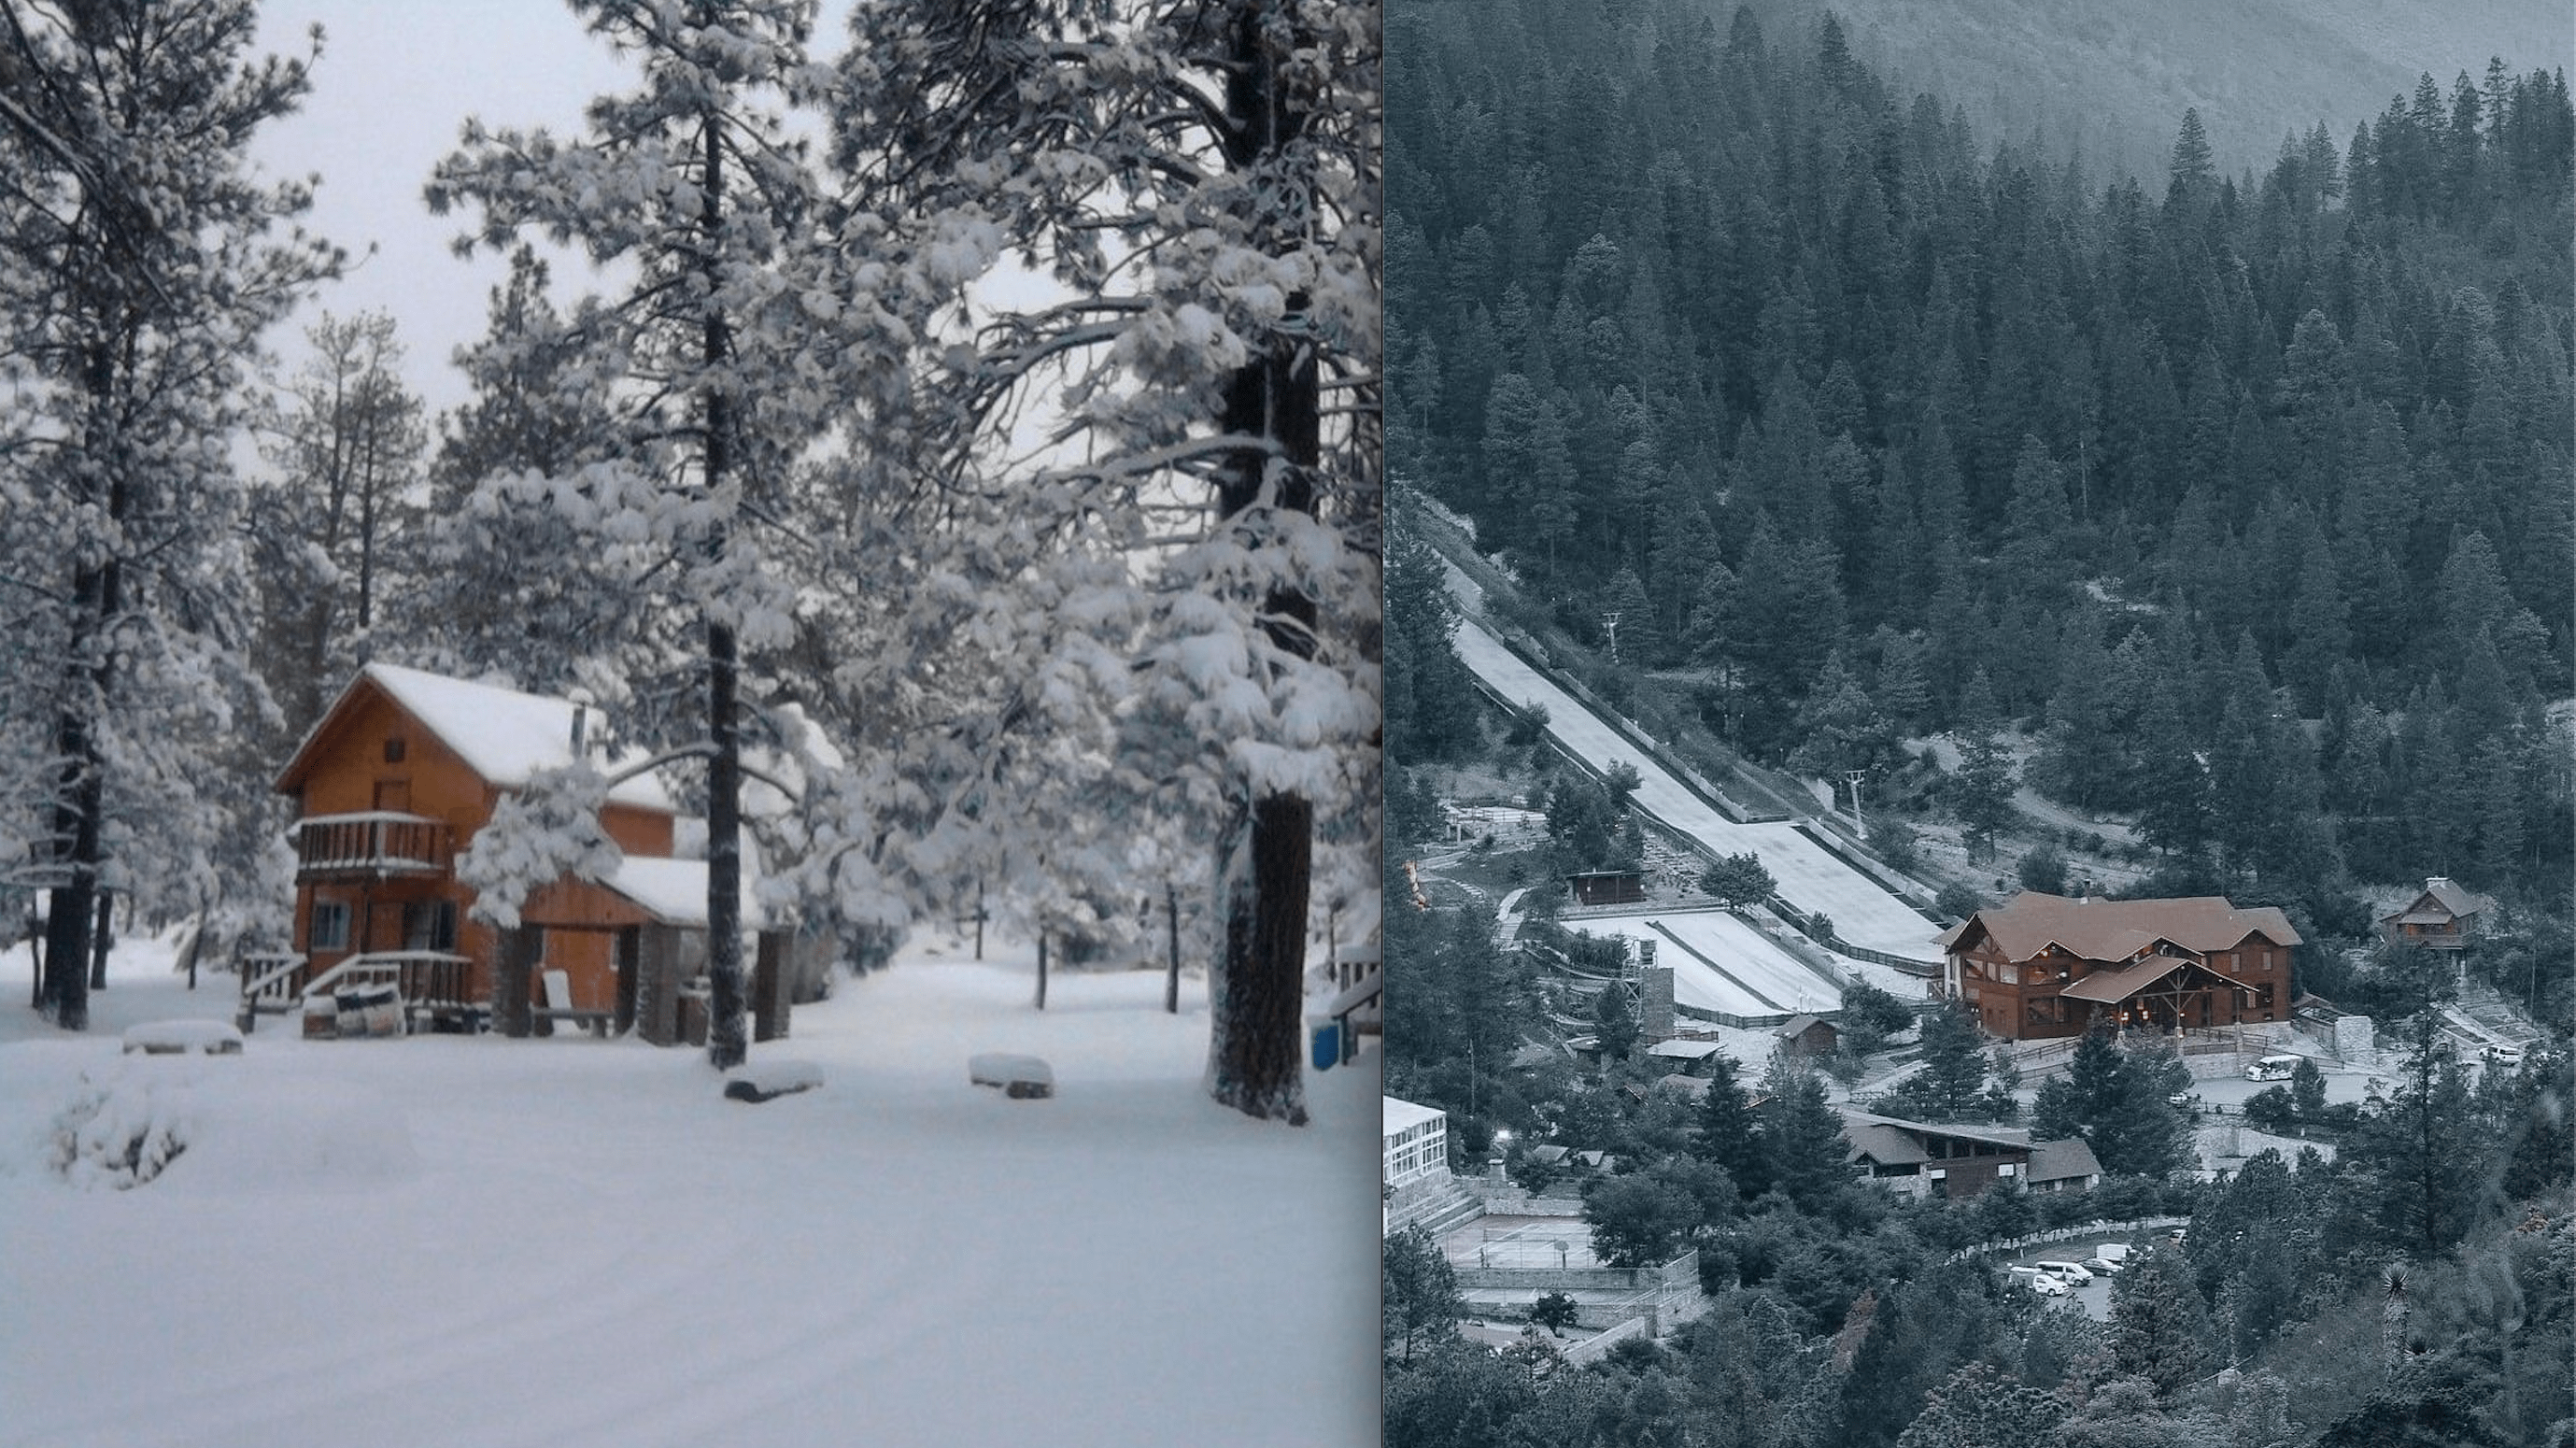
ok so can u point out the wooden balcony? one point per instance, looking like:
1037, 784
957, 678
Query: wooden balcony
372, 844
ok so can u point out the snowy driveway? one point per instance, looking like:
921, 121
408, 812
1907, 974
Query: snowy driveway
1810, 878
579, 1244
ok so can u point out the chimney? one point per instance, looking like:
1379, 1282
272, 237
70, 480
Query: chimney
580, 719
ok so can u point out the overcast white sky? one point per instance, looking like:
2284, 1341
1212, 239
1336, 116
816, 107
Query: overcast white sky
396, 80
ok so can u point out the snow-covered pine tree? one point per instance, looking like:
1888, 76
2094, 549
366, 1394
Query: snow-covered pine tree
706, 370
1198, 181
137, 270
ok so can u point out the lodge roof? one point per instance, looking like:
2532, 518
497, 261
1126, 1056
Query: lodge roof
2052, 1161
1796, 1026
504, 736
2112, 986
2117, 929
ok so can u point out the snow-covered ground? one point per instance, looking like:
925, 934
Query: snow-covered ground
1863, 911
569, 1242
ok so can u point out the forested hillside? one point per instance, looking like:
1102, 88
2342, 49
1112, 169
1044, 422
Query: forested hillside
2110, 79
2252, 499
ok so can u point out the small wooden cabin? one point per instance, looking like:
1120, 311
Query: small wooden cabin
394, 782
1607, 887
2443, 917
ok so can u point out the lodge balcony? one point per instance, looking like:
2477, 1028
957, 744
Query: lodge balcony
370, 844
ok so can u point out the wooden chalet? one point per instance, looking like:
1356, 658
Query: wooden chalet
1808, 1036
393, 784
2045, 965
1959, 1161
2443, 917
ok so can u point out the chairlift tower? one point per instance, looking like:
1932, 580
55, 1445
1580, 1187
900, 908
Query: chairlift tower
1610, 621
1853, 778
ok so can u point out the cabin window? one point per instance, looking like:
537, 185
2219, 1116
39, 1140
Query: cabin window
329, 927
394, 750
430, 925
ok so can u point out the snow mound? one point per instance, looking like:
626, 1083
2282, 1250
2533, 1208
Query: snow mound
183, 1038
1021, 1078
769, 1080
130, 1123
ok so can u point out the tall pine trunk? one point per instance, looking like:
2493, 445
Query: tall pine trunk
1264, 863
727, 1042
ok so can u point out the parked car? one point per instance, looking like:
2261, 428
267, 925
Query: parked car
2046, 1284
2272, 1068
2070, 1273
2101, 1266
2505, 1055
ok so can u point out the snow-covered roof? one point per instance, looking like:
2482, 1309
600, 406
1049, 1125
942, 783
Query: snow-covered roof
1396, 1116
504, 736
675, 891
1685, 1050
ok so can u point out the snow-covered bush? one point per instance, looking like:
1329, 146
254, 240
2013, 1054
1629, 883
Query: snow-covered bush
122, 1132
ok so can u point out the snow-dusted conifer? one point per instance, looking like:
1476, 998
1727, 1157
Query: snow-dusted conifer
1197, 180
705, 370
137, 270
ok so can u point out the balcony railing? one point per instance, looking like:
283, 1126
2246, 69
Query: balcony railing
372, 842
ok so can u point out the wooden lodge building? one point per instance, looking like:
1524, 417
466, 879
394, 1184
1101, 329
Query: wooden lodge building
2045, 965
392, 785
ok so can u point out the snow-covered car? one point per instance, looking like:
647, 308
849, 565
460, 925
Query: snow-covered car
2071, 1273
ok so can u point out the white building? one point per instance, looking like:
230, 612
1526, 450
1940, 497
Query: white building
1417, 1142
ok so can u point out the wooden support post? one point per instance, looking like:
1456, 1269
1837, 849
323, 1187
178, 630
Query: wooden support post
511, 1009
771, 972
102, 939
1042, 971
657, 989
629, 954
1172, 927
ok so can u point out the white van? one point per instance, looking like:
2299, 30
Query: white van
2070, 1273
2272, 1068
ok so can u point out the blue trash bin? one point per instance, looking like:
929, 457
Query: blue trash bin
1328, 1045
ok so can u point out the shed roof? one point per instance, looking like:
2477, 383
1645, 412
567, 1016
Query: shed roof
2117, 929
2012, 1136
1796, 1026
1684, 1050
504, 736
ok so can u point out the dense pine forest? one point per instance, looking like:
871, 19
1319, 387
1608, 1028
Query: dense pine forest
2234, 500
2246, 492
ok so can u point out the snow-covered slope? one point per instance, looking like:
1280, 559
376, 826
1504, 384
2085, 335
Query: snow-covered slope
569, 1242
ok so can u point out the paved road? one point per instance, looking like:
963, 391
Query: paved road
1809, 878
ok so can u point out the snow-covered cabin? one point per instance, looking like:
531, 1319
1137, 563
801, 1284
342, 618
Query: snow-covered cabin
392, 784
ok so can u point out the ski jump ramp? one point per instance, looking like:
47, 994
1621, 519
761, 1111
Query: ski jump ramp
1809, 877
